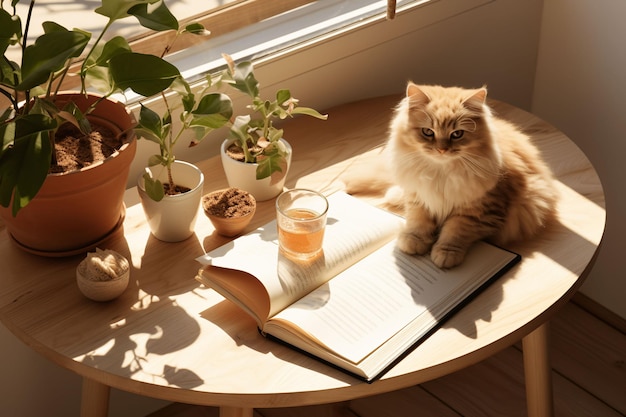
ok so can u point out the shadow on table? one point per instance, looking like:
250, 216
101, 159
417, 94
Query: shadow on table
127, 341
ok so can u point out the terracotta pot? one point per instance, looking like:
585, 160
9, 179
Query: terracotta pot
243, 175
74, 212
174, 217
229, 226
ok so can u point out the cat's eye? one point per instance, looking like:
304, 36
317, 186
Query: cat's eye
428, 132
457, 134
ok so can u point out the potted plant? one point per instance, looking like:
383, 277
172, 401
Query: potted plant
31, 194
255, 156
170, 190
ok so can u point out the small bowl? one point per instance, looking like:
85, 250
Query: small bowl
102, 290
230, 226
104, 266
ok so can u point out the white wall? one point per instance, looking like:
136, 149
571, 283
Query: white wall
581, 89
494, 44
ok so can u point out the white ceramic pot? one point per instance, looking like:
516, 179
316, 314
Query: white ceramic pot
174, 217
243, 175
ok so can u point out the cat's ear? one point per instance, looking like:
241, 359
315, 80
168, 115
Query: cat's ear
416, 96
476, 100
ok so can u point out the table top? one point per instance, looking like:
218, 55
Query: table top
169, 337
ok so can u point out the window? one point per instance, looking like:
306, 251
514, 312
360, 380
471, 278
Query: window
243, 28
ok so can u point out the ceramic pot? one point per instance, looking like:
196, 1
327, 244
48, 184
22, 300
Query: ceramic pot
76, 211
103, 275
174, 217
243, 175
229, 226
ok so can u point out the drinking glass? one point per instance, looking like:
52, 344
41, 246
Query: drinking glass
301, 220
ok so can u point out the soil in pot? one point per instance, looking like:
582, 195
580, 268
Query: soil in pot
236, 152
75, 150
229, 210
177, 189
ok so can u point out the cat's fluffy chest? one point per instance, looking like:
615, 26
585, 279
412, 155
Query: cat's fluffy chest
441, 187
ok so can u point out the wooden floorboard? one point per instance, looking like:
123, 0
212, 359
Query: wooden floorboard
590, 353
588, 357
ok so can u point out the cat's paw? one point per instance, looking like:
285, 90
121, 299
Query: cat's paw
413, 244
447, 257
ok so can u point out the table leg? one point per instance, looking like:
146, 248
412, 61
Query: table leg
236, 412
538, 373
95, 399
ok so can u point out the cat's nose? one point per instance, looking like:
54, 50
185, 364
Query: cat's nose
442, 150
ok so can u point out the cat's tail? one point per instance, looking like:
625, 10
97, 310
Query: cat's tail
371, 176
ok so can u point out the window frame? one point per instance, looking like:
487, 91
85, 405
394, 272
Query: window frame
219, 21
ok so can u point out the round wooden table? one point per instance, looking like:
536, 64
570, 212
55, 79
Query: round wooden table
170, 338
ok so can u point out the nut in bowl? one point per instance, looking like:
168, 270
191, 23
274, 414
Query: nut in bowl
103, 275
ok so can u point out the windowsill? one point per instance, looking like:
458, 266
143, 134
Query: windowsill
288, 30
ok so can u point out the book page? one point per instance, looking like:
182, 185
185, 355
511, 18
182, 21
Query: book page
354, 229
367, 304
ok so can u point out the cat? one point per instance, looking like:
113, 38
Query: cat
460, 173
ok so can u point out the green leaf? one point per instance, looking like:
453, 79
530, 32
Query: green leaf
8, 72
71, 113
149, 125
24, 167
118, 9
153, 187
275, 134
34, 169
240, 127
7, 130
144, 74
99, 78
50, 53
188, 99
49, 27
6, 114
9, 168
10, 30
213, 111
282, 96
196, 28
157, 18
309, 112
96, 69
274, 165
244, 79
148, 135
30, 124
113, 47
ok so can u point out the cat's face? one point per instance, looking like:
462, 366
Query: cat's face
445, 123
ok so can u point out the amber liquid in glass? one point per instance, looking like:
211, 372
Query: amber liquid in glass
301, 238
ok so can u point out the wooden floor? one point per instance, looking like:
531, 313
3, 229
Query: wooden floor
588, 356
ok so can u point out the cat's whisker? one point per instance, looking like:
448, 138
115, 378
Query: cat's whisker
481, 166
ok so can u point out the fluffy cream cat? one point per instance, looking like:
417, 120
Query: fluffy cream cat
462, 174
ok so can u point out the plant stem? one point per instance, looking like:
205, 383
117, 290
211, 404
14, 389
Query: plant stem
83, 65
24, 43
171, 141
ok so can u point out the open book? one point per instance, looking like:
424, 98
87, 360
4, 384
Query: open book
362, 303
